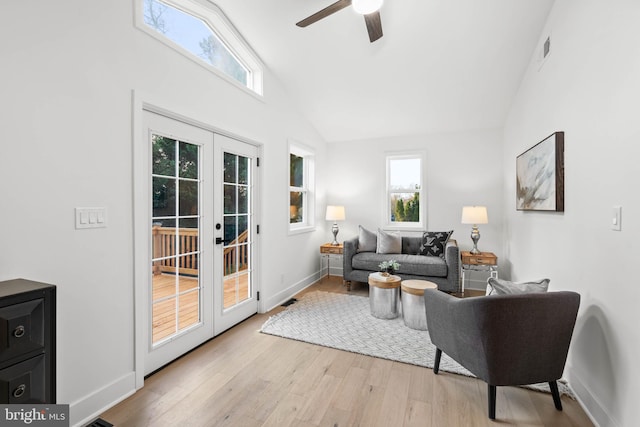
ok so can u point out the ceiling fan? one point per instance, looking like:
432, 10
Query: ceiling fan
370, 9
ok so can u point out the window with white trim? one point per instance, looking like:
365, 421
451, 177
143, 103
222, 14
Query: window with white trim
201, 32
405, 176
301, 189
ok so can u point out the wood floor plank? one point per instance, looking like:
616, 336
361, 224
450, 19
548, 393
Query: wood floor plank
396, 396
418, 414
285, 413
245, 378
319, 399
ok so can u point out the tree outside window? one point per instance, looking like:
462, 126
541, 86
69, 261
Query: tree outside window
404, 190
196, 36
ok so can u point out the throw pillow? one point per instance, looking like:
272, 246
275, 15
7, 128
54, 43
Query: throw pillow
389, 243
434, 242
505, 287
366, 240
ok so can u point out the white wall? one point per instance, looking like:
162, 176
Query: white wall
461, 169
67, 75
589, 88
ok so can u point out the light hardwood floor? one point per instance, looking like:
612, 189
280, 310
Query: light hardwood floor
245, 378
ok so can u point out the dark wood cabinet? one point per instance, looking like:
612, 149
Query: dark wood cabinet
27, 342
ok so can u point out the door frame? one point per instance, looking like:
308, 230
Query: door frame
140, 219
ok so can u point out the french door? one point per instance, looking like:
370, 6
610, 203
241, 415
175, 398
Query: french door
235, 230
201, 236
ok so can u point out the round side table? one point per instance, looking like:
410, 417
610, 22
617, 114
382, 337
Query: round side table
413, 311
383, 296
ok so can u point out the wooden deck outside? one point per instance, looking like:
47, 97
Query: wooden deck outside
236, 290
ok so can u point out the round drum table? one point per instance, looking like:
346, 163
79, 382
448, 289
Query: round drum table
383, 296
413, 312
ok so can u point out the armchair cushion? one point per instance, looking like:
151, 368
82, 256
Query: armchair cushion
505, 287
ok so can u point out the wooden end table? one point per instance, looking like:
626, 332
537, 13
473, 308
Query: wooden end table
484, 261
328, 251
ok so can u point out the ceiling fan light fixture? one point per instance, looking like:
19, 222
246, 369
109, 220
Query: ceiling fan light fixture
365, 7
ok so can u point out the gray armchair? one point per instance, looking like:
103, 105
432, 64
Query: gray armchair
505, 339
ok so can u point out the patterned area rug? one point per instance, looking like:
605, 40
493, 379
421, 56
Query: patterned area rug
344, 322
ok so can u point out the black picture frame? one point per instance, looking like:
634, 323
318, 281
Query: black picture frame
540, 176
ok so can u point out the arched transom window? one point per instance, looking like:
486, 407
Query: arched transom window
202, 32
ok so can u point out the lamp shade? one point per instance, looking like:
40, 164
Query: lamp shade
365, 7
335, 213
474, 215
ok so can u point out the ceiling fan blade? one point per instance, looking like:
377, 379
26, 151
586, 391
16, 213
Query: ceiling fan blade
331, 9
374, 25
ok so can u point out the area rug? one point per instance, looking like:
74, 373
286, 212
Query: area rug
344, 322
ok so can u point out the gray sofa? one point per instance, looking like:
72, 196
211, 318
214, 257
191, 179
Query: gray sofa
445, 272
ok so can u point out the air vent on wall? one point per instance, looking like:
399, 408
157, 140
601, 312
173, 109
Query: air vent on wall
546, 48
543, 51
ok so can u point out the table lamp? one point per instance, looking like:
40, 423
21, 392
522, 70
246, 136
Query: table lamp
335, 213
475, 215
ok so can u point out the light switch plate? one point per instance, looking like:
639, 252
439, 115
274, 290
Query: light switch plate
616, 218
91, 218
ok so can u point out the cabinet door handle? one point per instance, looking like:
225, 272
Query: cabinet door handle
19, 391
18, 332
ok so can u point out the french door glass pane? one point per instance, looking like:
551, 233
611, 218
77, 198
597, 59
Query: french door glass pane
175, 233
188, 160
164, 197
230, 199
230, 161
237, 202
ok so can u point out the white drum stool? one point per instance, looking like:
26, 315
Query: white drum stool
413, 312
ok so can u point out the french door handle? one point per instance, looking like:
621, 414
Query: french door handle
220, 240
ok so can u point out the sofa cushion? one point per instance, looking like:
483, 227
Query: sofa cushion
504, 287
434, 242
419, 265
367, 240
388, 243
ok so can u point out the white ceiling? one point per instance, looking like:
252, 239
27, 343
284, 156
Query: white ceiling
442, 65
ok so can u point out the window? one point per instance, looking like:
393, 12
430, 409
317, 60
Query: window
404, 191
204, 34
301, 189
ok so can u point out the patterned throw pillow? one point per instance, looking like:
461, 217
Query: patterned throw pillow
505, 287
389, 243
367, 240
434, 242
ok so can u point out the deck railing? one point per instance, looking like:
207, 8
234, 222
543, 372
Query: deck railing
230, 259
164, 247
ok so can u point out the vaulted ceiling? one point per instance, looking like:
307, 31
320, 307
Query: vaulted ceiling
442, 65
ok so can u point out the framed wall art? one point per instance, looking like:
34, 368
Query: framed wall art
540, 176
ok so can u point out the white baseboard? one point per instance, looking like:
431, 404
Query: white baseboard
590, 403
83, 411
286, 294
